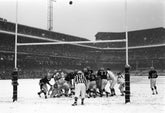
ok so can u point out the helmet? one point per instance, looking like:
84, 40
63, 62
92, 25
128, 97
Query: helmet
79, 72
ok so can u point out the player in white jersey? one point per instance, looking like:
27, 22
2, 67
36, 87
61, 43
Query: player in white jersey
121, 82
113, 80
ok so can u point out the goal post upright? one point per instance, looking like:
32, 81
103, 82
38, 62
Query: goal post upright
14, 74
127, 67
16, 36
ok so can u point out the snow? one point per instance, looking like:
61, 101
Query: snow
142, 99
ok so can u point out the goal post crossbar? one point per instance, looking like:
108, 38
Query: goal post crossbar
70, 42
136, 47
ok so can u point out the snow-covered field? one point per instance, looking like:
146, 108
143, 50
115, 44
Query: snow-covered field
142, 100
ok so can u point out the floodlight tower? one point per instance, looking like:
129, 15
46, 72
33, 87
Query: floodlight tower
50, 15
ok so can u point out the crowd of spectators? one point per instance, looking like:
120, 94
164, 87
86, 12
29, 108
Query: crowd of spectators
33, 65
135, 38
74, 57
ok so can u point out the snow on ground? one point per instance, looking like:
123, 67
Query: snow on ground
142, 100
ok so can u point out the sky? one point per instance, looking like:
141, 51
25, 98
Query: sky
84, 18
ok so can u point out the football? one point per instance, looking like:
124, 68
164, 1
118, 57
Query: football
70, 2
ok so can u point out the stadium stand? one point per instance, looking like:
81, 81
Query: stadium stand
34, 61
136, 38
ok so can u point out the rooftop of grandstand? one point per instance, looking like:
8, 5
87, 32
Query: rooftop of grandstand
135, 38
23, 29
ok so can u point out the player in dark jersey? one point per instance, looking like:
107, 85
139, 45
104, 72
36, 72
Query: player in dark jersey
101, 80
152, 76
70, 79
87, 75
92, 85
43, 85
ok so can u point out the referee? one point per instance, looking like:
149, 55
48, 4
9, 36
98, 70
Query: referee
80, 87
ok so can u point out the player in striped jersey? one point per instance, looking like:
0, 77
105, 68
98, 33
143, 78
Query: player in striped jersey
80, 87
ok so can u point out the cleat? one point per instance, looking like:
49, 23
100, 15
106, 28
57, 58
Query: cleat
74, 104
156, 92
45, 97
111, 95
39, 94
153, 93
122, 94
82, 103
107, 94
66, 95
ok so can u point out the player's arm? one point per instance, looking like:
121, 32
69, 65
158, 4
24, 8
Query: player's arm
85, 80
156, 74
75, 80
149, 75
48, 83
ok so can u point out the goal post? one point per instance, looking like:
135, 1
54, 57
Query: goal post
72, 42
127, 67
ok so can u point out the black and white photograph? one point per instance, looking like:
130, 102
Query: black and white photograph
82, 56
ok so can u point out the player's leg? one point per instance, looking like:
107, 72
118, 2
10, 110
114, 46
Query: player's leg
41, 89
45, 90
104, 83
88, 87
112, 88
121, 88
66, 88
156, 89
83, 90
54, 90
75, 101
155, 86
94, 88
60, 87
106, 91
99, 85
72, 87
50, 90
152, 85
77, 94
